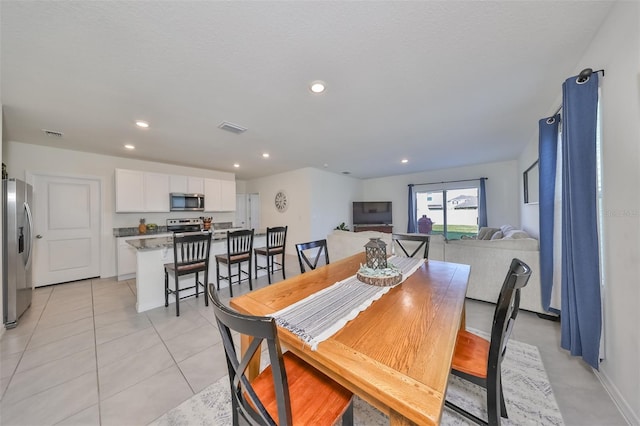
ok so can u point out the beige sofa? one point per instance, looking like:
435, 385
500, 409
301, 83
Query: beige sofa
489, 260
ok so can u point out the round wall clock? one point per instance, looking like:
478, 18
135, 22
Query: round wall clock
281, 201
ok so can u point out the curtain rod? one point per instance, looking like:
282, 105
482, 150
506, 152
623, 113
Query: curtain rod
582, 77
448, 181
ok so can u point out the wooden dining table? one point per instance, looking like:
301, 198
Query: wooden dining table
396, 354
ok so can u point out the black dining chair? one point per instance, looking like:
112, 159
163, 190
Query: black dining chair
314, 248
479, 361
191, 252
239, 250
289, 391
276, 242
416, 242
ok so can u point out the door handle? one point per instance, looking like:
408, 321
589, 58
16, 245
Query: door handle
39, 236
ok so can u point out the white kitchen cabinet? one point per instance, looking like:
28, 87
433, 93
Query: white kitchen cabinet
138, 191
178, 184
186, 184
212, 195
219, 195
195, 185
156, 192
129, 191
227, 195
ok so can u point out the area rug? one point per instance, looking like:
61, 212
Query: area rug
528, 394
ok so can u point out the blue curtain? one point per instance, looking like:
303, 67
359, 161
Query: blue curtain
482, 207
411, 206
547, 161
581, 305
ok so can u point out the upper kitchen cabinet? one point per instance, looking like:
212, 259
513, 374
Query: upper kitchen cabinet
219, 195
156, 192
186, 184
138, 191
129, 191
228, 195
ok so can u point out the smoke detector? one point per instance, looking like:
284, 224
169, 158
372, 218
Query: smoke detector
52, 133
233, 128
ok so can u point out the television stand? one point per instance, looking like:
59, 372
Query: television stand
387, 229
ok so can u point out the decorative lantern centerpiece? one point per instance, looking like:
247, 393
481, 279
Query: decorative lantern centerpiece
376, 251
377, 271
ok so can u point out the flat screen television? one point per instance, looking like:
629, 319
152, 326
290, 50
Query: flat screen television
372, 213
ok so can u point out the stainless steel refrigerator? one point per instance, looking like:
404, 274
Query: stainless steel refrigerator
17, 250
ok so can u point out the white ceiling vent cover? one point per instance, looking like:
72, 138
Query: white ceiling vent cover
52, 133
233, 128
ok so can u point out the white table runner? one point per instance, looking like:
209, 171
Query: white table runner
322, 314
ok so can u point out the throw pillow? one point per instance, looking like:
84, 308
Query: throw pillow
485, 233
516, 234
497, 236
506, 228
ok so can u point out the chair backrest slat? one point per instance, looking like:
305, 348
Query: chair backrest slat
276, 237
240, 242
305, 248
191, 247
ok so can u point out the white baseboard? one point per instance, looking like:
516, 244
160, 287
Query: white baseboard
624, 407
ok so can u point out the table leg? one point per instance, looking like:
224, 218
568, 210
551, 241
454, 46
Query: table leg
254, 365
463, 317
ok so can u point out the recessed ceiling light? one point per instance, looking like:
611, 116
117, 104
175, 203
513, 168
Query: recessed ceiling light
142, 124
129, 146
317, 86
404, 160
236, 165
265, 155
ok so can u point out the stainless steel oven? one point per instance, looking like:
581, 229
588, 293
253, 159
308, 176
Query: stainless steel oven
186, 202
184, 225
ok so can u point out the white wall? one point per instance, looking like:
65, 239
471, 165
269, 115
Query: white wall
298, 214
502, 190
24, 158
318, 202
616, 49
331, 201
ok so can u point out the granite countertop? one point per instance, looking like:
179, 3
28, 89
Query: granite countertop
154, 243
133, 232
218, 228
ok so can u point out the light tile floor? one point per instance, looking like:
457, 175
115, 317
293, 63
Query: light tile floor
81, 355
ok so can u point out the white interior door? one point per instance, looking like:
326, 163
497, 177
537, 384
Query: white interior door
67, 229
241, 211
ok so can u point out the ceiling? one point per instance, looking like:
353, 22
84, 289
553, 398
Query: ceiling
440, 83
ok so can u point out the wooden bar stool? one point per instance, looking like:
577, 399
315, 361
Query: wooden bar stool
276, 242
190, 256
239, 250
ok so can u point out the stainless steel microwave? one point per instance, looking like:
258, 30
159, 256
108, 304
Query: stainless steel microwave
180, 202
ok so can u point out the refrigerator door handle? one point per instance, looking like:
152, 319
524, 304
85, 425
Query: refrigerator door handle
29, 235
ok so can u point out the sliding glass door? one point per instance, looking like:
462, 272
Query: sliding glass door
454, 212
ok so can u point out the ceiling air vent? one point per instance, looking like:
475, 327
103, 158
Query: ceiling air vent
233, 128
52, 133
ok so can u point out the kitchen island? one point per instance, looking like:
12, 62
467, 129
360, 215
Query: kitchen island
151, 256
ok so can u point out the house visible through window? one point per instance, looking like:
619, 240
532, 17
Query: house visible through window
454, 212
